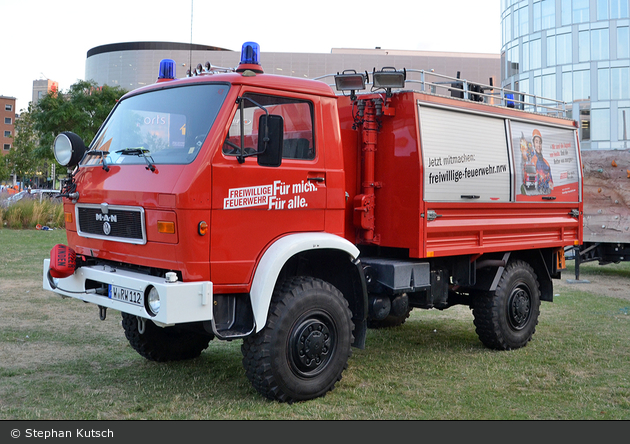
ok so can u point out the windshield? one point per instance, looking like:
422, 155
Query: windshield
166, 126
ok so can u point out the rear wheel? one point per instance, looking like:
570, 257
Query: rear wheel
305, 345
163, 344
507, 319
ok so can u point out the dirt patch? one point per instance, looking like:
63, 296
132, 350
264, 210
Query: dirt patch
611, 286
32, 319
23, 354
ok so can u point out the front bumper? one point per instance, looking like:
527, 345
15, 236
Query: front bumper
180, 302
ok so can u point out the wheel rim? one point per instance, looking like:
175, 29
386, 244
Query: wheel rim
519, 307
312, 344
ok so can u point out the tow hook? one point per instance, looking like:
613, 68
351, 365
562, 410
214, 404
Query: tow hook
141, 324
102, 312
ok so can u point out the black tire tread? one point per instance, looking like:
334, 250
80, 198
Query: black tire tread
487, 311
390, 321
256, 349
163, 344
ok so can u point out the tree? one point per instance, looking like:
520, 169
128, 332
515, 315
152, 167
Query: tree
5, 170
21, 159
82, 110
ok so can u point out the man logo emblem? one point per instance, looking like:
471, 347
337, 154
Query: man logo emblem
107, 228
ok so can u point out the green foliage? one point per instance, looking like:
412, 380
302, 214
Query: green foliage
5, 170
82, 110
21, 157
30, 213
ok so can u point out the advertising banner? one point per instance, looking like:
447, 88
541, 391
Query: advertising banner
546, 163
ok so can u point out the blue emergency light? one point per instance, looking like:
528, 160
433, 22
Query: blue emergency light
250, 53
167, 69
250, 58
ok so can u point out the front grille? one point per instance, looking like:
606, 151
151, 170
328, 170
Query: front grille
111, 222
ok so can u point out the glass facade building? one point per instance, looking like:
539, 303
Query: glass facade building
576, 51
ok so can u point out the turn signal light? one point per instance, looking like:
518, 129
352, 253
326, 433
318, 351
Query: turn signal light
166, 227
68, 217
202, 228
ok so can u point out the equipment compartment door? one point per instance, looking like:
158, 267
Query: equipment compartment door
465, 156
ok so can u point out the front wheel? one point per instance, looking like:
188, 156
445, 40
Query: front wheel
305, 345
390, 321
163, 344
507, 319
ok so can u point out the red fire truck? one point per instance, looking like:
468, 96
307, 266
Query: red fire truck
234, 204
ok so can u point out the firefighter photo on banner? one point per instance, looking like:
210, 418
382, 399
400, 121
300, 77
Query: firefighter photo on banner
545, 161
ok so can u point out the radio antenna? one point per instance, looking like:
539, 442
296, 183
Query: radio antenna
191, 36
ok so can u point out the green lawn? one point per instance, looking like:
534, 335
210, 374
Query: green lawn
58, 361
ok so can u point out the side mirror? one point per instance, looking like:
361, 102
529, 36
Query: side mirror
270, 140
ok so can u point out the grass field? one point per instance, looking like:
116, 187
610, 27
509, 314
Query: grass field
58, 361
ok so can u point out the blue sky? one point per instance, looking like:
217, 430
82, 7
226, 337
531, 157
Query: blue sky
50, 39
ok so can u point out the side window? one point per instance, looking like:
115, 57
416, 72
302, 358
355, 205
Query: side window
298, 126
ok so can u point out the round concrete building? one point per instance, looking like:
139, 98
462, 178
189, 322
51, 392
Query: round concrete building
135, 64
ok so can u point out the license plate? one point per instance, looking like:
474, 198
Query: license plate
127, 295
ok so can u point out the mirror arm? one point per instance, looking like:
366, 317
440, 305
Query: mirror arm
241, 157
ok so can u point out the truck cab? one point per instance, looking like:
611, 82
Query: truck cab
195, 198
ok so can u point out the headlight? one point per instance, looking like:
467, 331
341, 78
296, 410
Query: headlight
68, 149
153, 301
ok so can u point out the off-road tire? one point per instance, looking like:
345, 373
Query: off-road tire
304, 348
163, 344
389, 321
507, 318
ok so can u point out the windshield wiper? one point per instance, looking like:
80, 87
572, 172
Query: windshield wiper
142, 152
103, 155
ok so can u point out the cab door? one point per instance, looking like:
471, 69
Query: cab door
252, 204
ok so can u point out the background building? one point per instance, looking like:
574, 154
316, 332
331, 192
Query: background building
576, 51
43, 87
135, 64
7, 123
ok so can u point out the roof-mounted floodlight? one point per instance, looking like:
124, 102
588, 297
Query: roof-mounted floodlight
350, 80
389, 78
